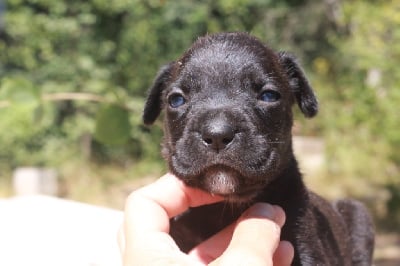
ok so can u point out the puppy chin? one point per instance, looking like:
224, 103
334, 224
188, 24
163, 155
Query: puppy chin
221, 181
226, 182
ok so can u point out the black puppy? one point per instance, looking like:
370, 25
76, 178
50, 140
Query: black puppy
228, 120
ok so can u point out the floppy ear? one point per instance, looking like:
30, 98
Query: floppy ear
303, 92
152, 107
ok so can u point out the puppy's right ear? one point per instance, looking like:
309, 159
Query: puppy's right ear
152, 107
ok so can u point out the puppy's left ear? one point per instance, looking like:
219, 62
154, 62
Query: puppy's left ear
303, 92
153, 105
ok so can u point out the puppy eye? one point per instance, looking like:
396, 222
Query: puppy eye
270, 96
176, 100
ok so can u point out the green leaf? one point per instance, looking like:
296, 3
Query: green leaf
19, 90
112, 125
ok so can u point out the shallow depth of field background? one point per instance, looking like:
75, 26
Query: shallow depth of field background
74, 75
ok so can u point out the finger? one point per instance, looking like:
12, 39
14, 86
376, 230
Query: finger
149, 208
213, 247
284, 254
255, 237
146, 224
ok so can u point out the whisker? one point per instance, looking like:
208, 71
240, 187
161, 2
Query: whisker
223, 210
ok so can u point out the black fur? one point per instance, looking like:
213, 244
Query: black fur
228, 120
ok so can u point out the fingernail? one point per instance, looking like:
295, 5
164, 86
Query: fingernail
263, 210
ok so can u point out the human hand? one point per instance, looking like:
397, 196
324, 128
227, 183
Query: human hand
144, 238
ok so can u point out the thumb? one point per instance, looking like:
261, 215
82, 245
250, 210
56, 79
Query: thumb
255, 237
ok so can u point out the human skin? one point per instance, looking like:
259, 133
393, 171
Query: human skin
144, 238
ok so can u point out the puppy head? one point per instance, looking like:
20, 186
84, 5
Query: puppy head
228, 117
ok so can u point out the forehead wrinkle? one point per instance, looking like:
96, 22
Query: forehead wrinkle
219, 56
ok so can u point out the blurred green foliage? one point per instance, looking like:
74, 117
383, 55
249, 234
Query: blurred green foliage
74, 74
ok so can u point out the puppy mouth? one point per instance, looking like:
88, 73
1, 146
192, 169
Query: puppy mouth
227, 182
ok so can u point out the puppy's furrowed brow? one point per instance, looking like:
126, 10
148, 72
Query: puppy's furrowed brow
257, 81
187, 82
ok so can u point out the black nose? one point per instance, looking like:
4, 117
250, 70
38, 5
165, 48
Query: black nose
217, 135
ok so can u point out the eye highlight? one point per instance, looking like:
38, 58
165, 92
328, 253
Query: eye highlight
270, 96
176, 100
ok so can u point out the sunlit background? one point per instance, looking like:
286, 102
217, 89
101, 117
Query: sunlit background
74, 74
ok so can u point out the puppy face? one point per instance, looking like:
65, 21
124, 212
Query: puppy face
228, 115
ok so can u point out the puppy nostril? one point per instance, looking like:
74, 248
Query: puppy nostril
226, 141
217, 136
208, 141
